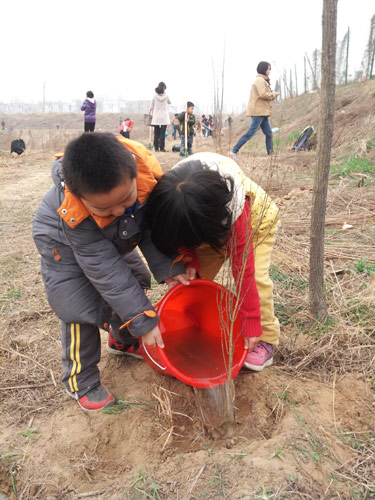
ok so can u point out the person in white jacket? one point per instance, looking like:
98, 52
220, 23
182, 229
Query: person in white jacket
160, 116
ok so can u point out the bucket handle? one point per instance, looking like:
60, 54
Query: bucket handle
152, 359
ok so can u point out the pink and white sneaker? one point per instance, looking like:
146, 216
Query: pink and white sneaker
260, 357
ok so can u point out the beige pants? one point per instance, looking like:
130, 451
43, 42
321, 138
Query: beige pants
211, 262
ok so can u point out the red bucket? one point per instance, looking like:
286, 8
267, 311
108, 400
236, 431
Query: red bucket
195, 348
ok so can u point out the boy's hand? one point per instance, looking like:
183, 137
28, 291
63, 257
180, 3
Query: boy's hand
251, 343
154, 338
185, 278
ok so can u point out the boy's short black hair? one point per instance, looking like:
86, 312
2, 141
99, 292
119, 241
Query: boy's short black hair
96, 163
188, 207
90, 94
263, 67
189, 104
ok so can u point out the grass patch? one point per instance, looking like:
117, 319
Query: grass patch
360, 314
354, 165
288, 284
282, 142
288, 281
122, 405
28, 434
363, 266
7, 463
142, 487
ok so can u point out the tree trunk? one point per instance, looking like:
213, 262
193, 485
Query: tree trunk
318, 304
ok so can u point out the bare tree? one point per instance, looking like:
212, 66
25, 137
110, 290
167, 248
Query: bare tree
318, 304
316, 56
291, 83
340, 59
313, 74
370, 48
218, 104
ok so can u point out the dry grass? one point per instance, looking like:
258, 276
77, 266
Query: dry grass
30, 345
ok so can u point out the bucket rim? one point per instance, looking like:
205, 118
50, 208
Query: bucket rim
170, 368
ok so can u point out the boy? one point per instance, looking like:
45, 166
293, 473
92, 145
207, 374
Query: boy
190, 129
86, 231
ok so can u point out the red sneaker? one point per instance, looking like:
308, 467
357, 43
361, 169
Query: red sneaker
115, 347
96, 399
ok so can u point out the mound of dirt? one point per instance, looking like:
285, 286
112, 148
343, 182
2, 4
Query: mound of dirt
304, 426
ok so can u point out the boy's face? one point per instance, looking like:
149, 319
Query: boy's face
190, 110
113, 203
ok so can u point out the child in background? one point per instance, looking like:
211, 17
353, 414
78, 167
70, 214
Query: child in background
86, 230
175, 126
89, 107
206, 208
126, 127
190, 129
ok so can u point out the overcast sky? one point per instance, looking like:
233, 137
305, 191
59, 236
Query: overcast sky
124, 48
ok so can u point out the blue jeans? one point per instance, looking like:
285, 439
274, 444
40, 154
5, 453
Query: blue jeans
256, 122
189, 145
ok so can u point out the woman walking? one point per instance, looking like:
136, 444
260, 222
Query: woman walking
160, 116
259, 108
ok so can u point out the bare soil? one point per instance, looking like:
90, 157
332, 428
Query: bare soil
305, 426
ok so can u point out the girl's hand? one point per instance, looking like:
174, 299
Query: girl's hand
191, 273
153, 338
185, 278
251, 343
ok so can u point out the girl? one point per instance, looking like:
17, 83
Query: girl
208, 210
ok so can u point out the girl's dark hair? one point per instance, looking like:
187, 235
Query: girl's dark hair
188, 207
160, 88
90, 94
262, 67
96, 163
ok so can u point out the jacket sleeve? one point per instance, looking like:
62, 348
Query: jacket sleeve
263, 90
240, 249
84, 106
190, 258
152, 105
181, 117
110, 275
161, 266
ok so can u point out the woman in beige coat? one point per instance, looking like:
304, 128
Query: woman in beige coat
160, 116
259, 108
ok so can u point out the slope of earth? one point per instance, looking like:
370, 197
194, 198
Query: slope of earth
305, 427
354, 126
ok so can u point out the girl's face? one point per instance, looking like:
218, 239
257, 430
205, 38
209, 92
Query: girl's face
268, 71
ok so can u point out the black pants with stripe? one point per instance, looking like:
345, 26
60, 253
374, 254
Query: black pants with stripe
81, 319
82, 350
